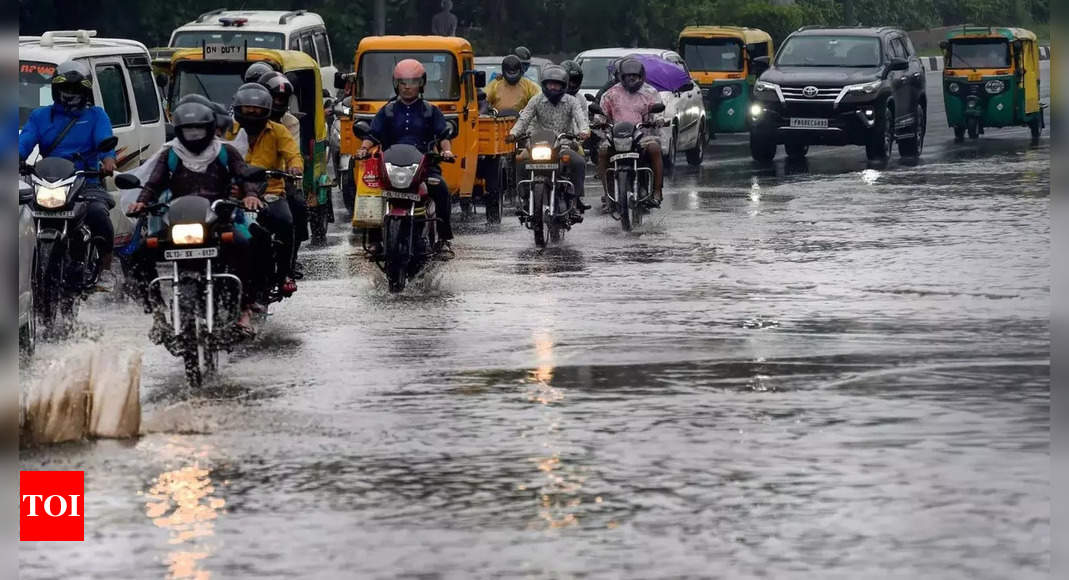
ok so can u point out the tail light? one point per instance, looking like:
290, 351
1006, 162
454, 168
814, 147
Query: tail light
152, 243
227, 237
372, 174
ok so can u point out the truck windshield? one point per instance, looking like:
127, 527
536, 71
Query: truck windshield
713, 54
830, 51
35, 87
374, 75
980, 53
194, 38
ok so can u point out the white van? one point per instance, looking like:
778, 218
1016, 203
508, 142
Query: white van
122, 84
280, 30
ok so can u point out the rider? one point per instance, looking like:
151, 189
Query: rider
558, 112
272, 147
575, 76
281, 90
630, 101
511, 91
198, 162
72, 128
524, 54
255, 71
410, 120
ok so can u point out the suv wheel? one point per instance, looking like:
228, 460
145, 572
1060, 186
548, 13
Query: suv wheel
913, 146
762, 147
881, 137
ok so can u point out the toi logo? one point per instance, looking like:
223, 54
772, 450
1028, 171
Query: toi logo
51, 506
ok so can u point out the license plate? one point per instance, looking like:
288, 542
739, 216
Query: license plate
191, 254
620, 156
401, 195
541, 167
809, 123
58, 215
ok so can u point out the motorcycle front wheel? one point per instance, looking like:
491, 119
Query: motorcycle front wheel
623, 202
396, 238
199, 356
538, 213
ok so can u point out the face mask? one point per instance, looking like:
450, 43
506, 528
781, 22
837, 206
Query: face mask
554, 94
71, 100
194, 133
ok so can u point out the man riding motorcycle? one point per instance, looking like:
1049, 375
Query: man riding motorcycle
255, 71
71, 128
575, 76
630, 101
558, 112
410, 120
524, 54
197, 162
511, 91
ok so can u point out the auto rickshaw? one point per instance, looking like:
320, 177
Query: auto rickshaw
721, 61
219, 79
991, 79
452, 82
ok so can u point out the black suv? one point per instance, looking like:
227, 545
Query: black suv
840, 86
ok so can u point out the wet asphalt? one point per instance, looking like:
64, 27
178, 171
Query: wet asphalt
818, 370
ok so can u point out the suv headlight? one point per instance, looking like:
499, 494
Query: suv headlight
401, 175
541, 153
186, 234
864, 88
762, 86
994, 87
52, 197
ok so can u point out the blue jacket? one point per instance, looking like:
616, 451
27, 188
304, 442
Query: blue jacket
46, 123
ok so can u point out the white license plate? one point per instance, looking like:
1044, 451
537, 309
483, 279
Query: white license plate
401, 195
541, 167
620, 156
57, 215
804, 123
191, 254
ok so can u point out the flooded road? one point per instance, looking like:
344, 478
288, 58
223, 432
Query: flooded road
816, 371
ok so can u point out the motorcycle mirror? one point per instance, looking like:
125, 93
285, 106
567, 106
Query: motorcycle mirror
480, 78
328, 104
686, 88
25, 194
108, 144
341, 110
339, 80
254, 174
589, 97
127, 181
656, 108
452, 130
362, 129
595, 109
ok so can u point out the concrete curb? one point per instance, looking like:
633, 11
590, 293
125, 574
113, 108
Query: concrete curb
935, 63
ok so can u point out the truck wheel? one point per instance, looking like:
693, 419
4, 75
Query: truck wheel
762, 147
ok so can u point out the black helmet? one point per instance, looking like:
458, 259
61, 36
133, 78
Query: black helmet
255, 71
223, 120
195, 98
194, 125
281, 90
554, 74
72, 85
575, 76
252, 106
524, 54
632, 66
512, 69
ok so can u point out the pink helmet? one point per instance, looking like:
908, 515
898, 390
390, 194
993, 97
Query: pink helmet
408, 69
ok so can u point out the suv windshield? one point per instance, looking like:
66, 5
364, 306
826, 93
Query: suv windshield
374, 75
193, 38
713, 54
980, 53
35, 87
837, 51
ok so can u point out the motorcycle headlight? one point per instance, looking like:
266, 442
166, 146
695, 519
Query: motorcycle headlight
52, 197
953, 88
401, 175
994, 87
622, 143
541, 153
727, 91
864, 88
186, 234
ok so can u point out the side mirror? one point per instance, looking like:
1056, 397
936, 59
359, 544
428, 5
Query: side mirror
362, 129
127, 181
595, 109
254, 174
656, 108
339, 80
760, 64
686, 88
589, 97
108, 144
480, 78
899, 64
451, 130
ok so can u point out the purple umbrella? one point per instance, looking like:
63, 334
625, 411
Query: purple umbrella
663, 75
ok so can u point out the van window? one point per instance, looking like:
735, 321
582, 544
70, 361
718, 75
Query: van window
295, 42
322, 48
145, 95
113, 94
307, 47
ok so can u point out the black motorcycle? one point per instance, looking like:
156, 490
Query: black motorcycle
628, 179
67, 263
549, 210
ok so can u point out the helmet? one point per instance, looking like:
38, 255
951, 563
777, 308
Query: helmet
256, 70
524, 54
511, 69
632, 66
281, 90
575, 75
407, 70
72, 85
194, 125
252, 107
554, 74
223, 120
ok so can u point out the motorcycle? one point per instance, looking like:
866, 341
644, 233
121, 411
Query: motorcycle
627, 179
343, 163
550, 198
201, 316
67, 263
409, 223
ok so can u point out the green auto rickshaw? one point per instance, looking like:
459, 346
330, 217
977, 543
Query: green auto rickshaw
991, 79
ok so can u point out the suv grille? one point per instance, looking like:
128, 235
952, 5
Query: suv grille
822, 94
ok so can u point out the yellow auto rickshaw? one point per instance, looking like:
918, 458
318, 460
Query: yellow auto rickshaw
721, 61
452, 82
219, 78
991, 79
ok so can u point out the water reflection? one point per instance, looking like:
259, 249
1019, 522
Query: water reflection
183, 501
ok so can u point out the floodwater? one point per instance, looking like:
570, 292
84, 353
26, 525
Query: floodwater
816, 371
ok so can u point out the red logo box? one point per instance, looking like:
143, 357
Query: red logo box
51, 506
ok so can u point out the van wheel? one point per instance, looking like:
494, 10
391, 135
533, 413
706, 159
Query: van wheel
881, 137
913, 146
762, 147
796, 151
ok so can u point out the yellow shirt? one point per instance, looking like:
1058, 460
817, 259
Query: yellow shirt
503, 96
274, 148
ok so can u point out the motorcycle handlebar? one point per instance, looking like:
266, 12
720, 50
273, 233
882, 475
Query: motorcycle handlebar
282, 175
149, 209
